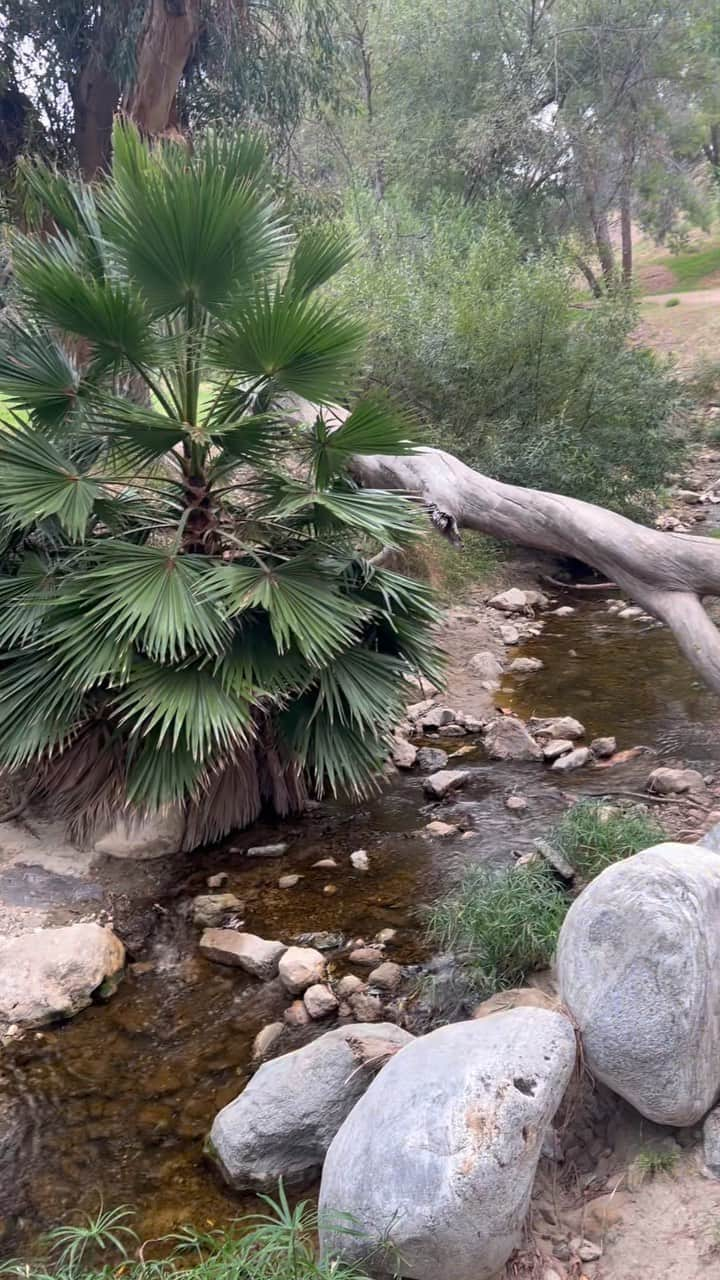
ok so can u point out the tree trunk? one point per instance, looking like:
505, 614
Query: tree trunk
628, 164
166, 42
667, 573
593, 282
95, 95
605, 252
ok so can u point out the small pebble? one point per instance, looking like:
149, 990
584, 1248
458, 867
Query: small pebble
265, 1039
385, 936
387, 976
288, 882
329, 890
297, 1015
360, 860
367, 957
320, 1001
267, 851
325, 862
516, 804
217, 881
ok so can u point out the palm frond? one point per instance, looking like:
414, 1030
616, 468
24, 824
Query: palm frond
375, 426
318, 256
36, 374
37, 481
335, 755
185, 706
301, 345
362, 689
389, 518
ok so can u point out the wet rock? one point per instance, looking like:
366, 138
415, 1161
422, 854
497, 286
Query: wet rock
323, 939
366, 1007
509, 633
439, 1156
367, 957
555, 860
437, 828
349, 986
486, 666
454, 731
517, 601
603, 748
516, 804
155, 837
300, 968
54, 973
296, 1015
639, 969
282, 1123
666, 782
360, 860
556, 727
573, 760
436, 717
430, 759
209, 909
257, 956
268, 850
325, 862
633, 611
711, 1142
289, 881
403, 754
386, 936
565, 611
330, 890
472, 725
387, 976
506, 738
218, 880
557, 747
266, 1039
524, 666
688, 495
438, 785
320, 1001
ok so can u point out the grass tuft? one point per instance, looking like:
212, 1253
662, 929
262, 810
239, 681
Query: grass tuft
673, 302
654, 1162
592, 836
500, 926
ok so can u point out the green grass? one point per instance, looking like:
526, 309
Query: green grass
454, 571
691, 269
591, 836
654, 1162
279, 1244
500, 927
673, 302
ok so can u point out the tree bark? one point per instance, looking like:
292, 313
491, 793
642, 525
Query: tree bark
667, 573
592, 280
95, 95
166, 42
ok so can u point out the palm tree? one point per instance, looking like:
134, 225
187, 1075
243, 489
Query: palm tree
190, 614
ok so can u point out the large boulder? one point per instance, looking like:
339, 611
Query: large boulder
436, 1162
54, 973
639, 969
283, 1122
506, 738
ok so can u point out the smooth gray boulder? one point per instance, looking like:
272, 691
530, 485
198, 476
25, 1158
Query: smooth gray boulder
437, 1159
283, 1122
639, 969
54, 973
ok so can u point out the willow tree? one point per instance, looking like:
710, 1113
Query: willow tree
190, 615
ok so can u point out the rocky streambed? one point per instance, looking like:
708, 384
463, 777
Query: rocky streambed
117, 1102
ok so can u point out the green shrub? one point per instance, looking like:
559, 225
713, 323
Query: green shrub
673, 302
454, 571
591, 836
500, 927
488, 344
277, 1245
653, 1162
703, 380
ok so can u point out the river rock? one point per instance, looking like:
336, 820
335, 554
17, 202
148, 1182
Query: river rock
557, 747
289, 881
53, 973
403, 753
603, 748
516, 804
141, 838
430, 759
320, 1001
300, 968
565, 611
556, 727
367, 957
257, 956
349, 985
437, 828
524, 666
416, 710
436, 717
666, 782
639, 969
437, 1159
218, 880
387, 976
509, 633
631, 612
359, 860
282, 1123
296, 1015
209, 909
573, 760
506, 738
266, 1039
486, 666
268, 850
366, 1007
438, 785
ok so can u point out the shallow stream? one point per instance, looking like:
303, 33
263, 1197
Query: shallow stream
114, 1105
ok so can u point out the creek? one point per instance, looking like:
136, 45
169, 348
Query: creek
114, 1105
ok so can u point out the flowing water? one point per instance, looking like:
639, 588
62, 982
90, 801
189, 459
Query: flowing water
115, 1104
